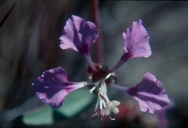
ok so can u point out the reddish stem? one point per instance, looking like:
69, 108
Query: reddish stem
98, 46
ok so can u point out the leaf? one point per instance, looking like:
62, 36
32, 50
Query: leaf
42, 116
75, 102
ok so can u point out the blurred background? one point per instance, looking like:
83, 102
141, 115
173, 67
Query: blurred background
29, 45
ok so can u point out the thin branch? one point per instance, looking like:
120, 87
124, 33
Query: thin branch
7, 14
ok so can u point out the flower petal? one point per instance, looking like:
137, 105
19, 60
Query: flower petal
137, 41
115, 103
136, 44
149, 93
78, 35
115, 110
111, 106
52, 86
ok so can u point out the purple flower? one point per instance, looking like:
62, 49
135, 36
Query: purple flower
52, 86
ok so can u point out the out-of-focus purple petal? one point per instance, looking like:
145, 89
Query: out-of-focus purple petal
161, 118
161, 115
137, 41
149, 93
78, 35
52, 86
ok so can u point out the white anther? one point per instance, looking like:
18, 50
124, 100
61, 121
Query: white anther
91, 90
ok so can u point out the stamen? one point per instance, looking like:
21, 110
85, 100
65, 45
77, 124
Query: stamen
95, 115
110, 74
104, 104
102, 97
97, 104
105, 89
100, 90
93, 88
111, 118
104, 92
100, 104
102, 113
107, 100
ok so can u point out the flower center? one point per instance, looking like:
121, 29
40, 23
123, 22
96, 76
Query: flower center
101, 78
101, 73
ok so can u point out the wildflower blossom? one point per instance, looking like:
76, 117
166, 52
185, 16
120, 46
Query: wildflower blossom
53, 86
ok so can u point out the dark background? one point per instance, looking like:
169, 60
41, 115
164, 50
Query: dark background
29, 44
